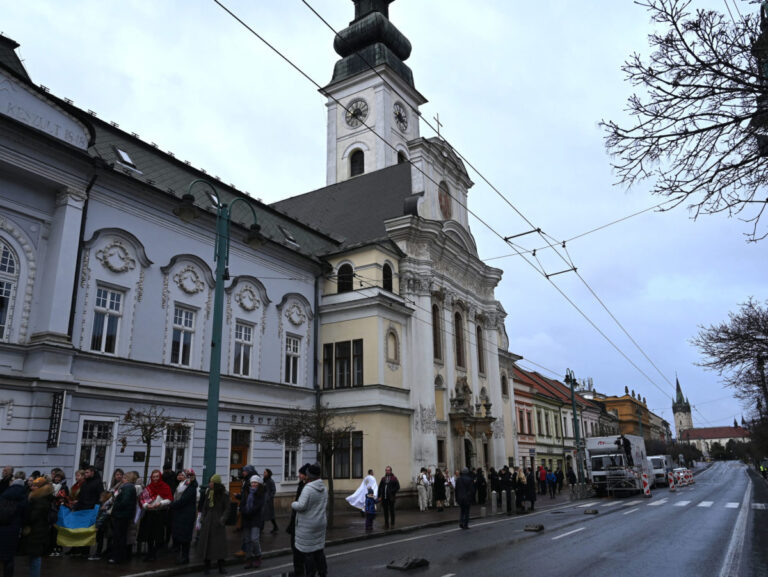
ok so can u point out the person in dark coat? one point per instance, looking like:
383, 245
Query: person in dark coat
184, 511
530, 481
438, 489
493, 478
388, 488
245, 484
559, 477
506, 483
15, 499
253, 520
37, 525
481, 486
88, 496
269, 502
298, 556
6, 479
212, 541
122, 515
90, 491
464, 490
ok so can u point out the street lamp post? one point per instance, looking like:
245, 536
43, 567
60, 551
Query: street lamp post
187, 211
570, 379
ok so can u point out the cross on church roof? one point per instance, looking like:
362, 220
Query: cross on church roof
436, 118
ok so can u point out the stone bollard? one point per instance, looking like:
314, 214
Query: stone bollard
483, 511
513, 498
503, 501
494, 510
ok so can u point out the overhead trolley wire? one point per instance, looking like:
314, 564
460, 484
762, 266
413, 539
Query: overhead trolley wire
518, 250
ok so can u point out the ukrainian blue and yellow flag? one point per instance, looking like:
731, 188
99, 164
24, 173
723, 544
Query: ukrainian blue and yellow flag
76, 528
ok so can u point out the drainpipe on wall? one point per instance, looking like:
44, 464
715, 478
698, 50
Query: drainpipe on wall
78, 264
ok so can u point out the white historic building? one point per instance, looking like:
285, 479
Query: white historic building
106, 299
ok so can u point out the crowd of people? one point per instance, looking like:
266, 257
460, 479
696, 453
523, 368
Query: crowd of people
170, 513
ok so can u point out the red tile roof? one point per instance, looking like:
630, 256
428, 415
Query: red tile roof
715, 433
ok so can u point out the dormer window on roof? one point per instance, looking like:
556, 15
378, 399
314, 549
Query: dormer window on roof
287, 234
124, 157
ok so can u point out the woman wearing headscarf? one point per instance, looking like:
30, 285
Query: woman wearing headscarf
184, 510
155, 500
37, 526
212, 541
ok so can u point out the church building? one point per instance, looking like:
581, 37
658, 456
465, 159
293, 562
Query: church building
410, 328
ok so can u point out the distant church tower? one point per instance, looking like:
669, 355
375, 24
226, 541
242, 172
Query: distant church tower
681, 409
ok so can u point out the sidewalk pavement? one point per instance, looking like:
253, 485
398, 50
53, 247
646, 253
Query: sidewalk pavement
349, 526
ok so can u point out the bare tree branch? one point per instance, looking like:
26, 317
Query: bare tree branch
698, 127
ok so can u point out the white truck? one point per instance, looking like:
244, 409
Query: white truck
660, 466
616, 464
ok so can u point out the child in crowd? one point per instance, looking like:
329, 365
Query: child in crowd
370, 509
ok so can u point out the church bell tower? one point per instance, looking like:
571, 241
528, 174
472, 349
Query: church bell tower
371, 97
681, 409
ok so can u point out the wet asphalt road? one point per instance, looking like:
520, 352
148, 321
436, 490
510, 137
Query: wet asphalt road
716, 527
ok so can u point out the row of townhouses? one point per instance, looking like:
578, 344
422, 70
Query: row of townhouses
367, 295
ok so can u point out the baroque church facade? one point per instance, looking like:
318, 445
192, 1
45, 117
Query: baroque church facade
408, 288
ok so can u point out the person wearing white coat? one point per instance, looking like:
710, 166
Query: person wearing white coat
311, 522
357, 499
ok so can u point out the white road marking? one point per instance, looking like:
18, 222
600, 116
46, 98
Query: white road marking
568, 533
681, 503
758, 506
705, 504
734, 554
612, 503
731, 505
449, 575
588, 504
630, 511
631, 503
657, 503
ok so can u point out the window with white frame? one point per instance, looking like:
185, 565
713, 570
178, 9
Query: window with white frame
291, 461
292, 356
95, 441
9, 278
343, 364
183, 331
176, 447
106, 320
243, 349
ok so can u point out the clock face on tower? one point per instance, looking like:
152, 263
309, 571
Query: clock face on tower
357, 112
445, 200
401, 116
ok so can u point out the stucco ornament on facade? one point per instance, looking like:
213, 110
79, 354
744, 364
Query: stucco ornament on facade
295, 315
188, 280
247, 299
425, 419
116, 257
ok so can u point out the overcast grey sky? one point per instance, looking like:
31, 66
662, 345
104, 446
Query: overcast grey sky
519, 87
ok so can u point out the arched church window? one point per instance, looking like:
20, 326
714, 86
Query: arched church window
344, 278
356, 163
504, 386
480, 353
387, 278
437, 332
458, 338
401, 157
